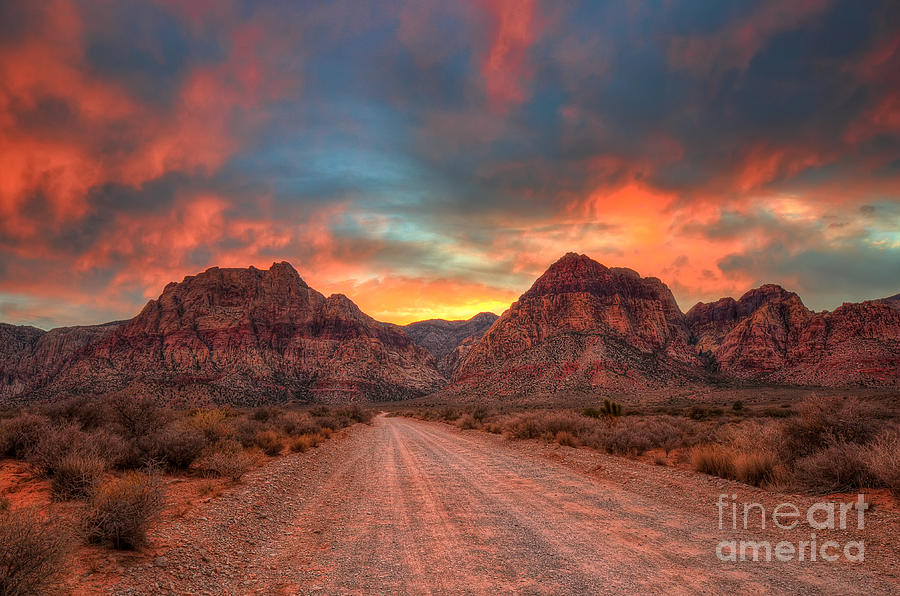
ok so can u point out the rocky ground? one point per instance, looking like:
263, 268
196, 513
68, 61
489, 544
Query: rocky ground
404, 506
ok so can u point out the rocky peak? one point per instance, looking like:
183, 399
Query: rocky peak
585, 324
571, 273
442, 337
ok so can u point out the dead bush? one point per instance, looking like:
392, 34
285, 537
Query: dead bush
823, 421
55, 443
713, 459
305, 442
245, 431
265, 414
298, 423
177, 445
566, 439
136, 417
76, 474
759, 468
535, 425
32, 553
120, 510
226, 460
838, 467
883, 462
20, 434
467, 422
269, 441
355, 413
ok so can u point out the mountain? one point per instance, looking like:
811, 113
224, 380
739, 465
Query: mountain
442, 338
31, 357
583, 326
246, 335
252, 336
768, 335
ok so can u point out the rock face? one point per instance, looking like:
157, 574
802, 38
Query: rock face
583, 326
769, 335
31, 357
253, 335
442, 338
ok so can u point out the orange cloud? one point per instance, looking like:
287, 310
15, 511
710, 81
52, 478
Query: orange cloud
505, 68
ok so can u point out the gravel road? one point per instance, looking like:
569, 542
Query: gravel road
409, 507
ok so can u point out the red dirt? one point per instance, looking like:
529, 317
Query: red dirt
404, 506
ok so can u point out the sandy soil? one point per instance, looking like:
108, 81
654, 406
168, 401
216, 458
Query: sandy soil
409, 507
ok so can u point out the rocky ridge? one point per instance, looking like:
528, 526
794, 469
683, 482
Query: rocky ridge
252, 335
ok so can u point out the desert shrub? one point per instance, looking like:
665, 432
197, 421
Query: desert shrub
481, 413
175, 445
447, 414
883, 461
466, 422
713, 459
634, 436
534, 425
320, 410
305, 442
298, 423
245, 431
54, 444
4, 504
20, 434
76, 474
840, 466
759, 468
225, 460
492, 427
332, 422
212, 422
136, 416
121, 509
85, 412
823, 421
737, 406
269, 441
566, 439
591, 412
355, 413
265, 414
32, 553
111, 447
611, 408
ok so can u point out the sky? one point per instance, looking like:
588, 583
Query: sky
432, 158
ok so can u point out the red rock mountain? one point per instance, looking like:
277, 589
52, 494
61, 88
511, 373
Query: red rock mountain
769, 335
249, 335
444, 338
252, 335
31, 357
583, 326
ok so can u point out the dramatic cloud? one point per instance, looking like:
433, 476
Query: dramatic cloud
430, 159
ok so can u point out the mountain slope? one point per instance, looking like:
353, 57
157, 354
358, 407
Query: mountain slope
583, 326
30, 357
769, 335
253, 335
442, 338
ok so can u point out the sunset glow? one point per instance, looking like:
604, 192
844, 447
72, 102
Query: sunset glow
430, 159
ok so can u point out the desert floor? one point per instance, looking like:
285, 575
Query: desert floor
411, 507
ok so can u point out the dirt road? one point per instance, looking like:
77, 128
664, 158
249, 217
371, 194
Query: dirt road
409, 507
